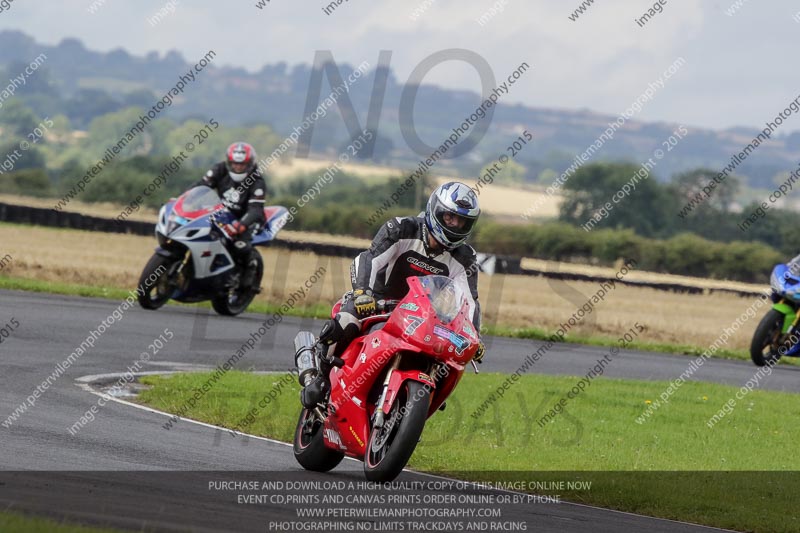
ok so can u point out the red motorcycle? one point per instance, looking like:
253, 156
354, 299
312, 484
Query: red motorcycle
388, 381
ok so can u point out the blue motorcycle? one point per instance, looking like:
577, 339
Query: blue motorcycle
778, 335
193, 263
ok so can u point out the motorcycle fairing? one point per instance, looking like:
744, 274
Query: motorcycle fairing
276, 218
790, 315
408, 331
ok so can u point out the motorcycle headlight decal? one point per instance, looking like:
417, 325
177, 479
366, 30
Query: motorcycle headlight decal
459, 341
413, 323
174, 221
426, 378
468, 330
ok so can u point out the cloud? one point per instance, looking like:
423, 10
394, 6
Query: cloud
736, 66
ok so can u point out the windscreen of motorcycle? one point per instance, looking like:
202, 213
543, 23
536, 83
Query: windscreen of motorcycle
447, 296
197, 202
794, 266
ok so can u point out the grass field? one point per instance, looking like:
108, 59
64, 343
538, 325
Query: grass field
510, 203
673, 465
517, 305
285, 170
109, 210
706, 284
19, 523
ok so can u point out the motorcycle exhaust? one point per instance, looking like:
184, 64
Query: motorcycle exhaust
305, 358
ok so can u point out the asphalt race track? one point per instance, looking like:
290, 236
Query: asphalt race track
107, 472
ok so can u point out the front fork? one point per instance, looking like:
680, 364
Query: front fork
186, 257
176, 276
379, 414
379, 418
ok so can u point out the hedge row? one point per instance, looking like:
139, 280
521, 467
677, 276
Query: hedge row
685, 254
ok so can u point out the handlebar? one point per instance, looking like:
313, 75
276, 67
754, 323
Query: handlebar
217, 225
386, 306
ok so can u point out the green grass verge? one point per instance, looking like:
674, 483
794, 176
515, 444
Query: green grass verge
112, 293
322, 311
56, 287
649, 468
15, 522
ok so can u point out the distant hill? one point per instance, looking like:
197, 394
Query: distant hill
87, 83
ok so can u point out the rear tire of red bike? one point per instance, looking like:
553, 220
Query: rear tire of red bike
309, 448
387, 455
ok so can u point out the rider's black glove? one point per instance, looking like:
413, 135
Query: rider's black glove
478, 357
364, 303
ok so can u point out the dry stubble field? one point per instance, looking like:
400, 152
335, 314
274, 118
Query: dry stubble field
99, 259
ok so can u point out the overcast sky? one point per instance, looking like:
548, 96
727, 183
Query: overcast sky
740, 70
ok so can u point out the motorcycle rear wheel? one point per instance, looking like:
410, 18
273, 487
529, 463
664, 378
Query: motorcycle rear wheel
390, 447
154, 294
766, 336
309, 447
236, 300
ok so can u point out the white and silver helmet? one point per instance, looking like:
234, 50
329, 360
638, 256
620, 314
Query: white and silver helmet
452, 198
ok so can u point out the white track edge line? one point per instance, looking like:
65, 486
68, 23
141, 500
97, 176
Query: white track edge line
85, 386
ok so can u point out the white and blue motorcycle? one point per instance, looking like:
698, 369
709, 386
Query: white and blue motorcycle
192, 262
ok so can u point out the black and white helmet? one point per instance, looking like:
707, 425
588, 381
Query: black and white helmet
452, 198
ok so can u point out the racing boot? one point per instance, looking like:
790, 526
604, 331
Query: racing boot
315, 392
249, 273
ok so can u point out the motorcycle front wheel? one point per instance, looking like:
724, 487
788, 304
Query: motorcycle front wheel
390, 446
765, 345
235, 300
154, 287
